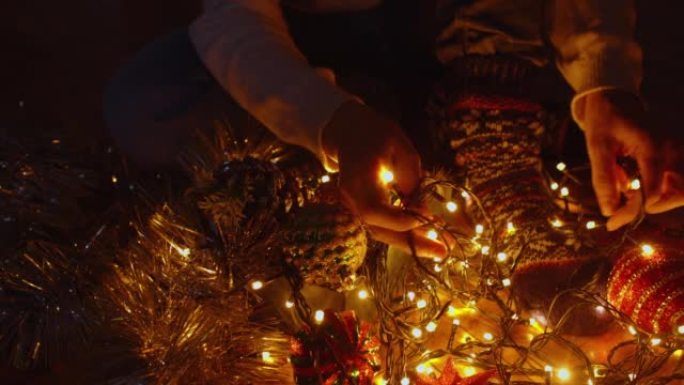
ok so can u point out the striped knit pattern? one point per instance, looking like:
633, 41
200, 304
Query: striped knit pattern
499, 144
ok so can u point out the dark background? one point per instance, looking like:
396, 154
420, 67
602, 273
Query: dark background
56, 57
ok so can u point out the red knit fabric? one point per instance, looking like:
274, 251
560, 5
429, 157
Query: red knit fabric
486, 102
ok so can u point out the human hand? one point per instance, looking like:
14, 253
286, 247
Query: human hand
364, 143
615, 126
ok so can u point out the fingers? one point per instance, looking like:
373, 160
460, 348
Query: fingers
604, 177
408, 169
424, 247
672, 194
625, 214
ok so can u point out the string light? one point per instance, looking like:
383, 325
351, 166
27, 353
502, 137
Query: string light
386, 175
114, 179
655, 341
564, 192
423, 369
600, 309
555, 186
416, 332
451, 206
631, 376
479, 229
591, 225
680, 329
485, 250
405, 381
635, 184
502, 257
561, 166
488, 336
469, 371
257, 285
506, 282
381, 381
431, 327
411, 295
325, 178
456, 322
563, 374
266, 357
557, 223
421, 304
548, 368
184, 252
432, 234
510, 228
289, 304
438, 268
647, 250
632, 330
319, 316
362, 294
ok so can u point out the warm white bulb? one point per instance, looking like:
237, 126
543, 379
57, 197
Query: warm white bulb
266, 357
411, 295
405, 381
485, 250
591, 225
557, 223
319, 316
386, 176
506, 282
510, 228
185, 252
555, 186
563, 374
502, 257
416, 332
289, 304
257, 285
325, 178
488, 336
647, 250
561, 167
564, 192
548, 368
680, 329
469, 371
635, 184
432, 234
632, 330
479, 229
438, 268
114, 179
656, 341
363, 294
451, 207
600, 309
421, 369
456, 322
431, 327
421, 304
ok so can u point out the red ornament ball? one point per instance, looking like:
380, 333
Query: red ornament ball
647, 284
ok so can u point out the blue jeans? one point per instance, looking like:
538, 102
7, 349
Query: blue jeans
156, 101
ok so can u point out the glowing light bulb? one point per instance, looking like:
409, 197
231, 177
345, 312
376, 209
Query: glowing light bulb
289, 304
600, 309
678, 353
438, 268
510, 228
632, 330
631, 376
257, 285
591, 225
488, 336
421, 304
325, 178
564, 192
381, 381
502, 257
485, 250
456, 322
555, 186
416, 332
563, 374
114, 179
432, 234
431, 327
386, 176
185, 252
548, 368
680, 329
506, 282
479, 229
647, 250
635, 184
362, 294
266, 357
465, 195
451, 207
421, 368
656, 341
561, 166
469, 371
590, 382
557, 223
319, 316
405, 381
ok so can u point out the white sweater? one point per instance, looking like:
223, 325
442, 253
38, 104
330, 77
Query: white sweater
246, 46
